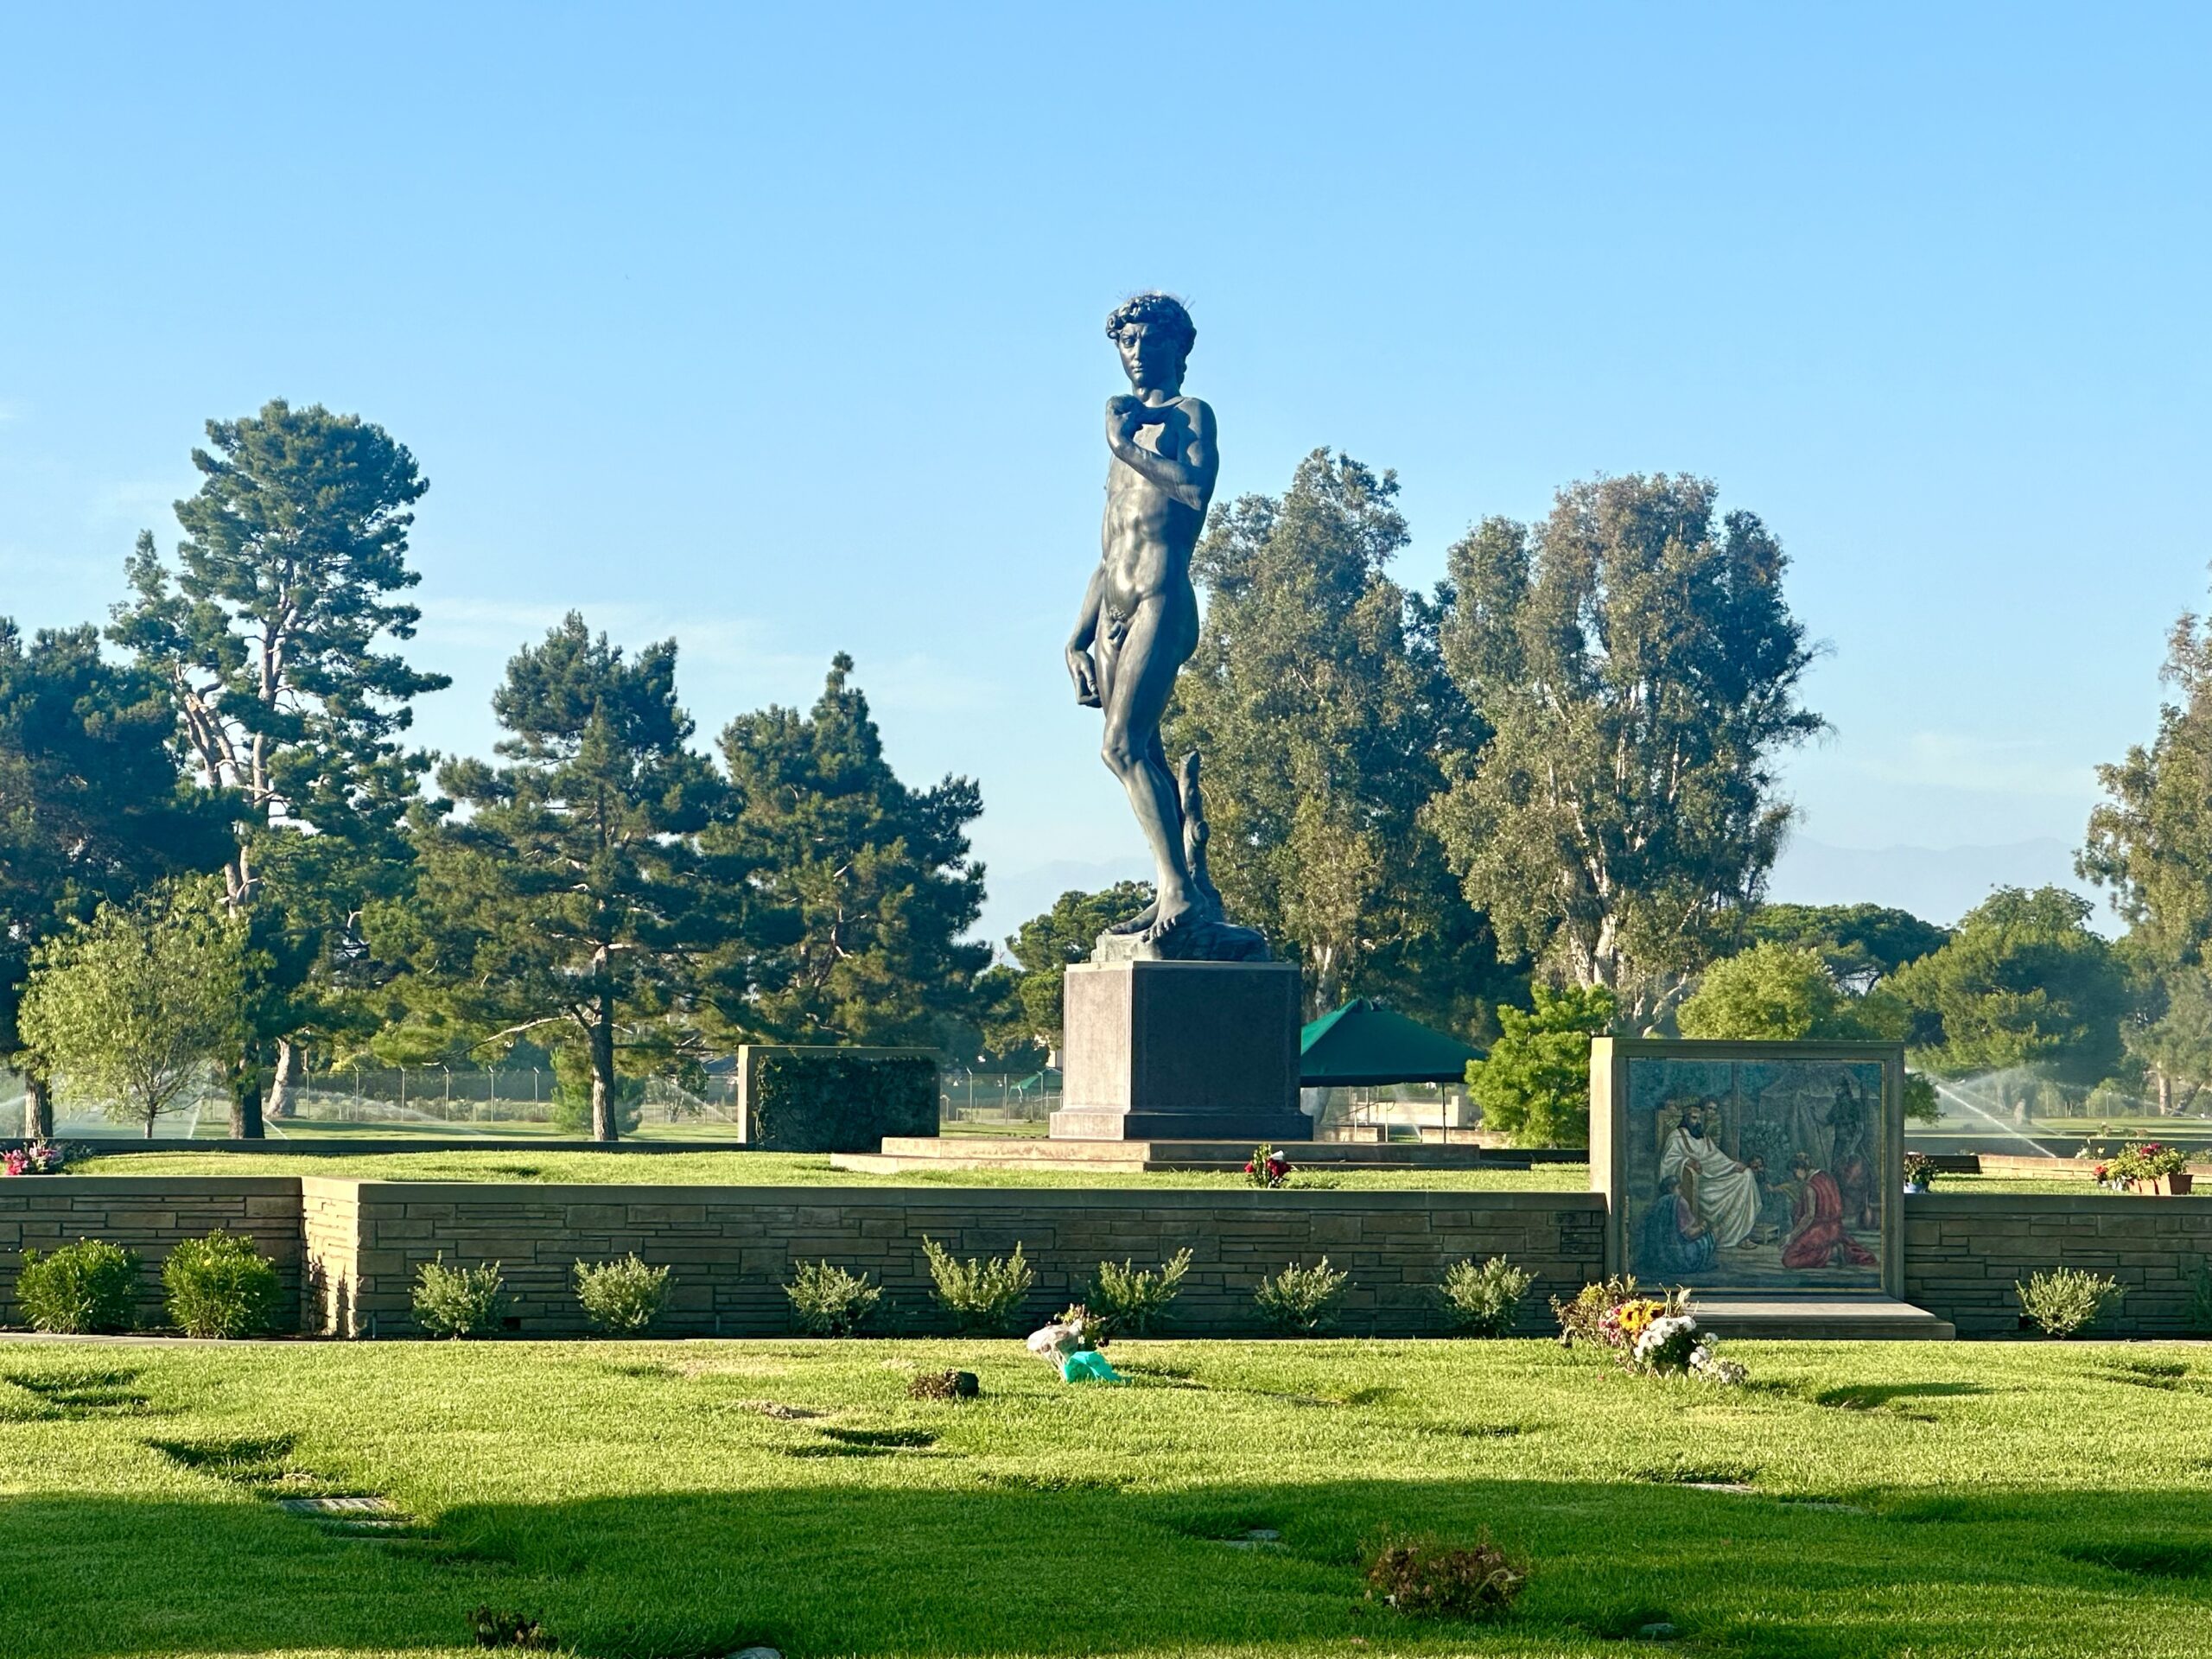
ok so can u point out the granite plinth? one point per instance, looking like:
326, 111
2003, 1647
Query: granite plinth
1181, 1050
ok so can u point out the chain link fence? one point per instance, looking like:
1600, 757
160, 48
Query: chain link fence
997, 1103
481, 1100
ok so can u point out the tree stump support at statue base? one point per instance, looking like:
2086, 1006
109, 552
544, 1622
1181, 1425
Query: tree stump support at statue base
1181, 1050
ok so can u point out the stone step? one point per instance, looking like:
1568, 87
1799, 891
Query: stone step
1833, 1319
899, 1152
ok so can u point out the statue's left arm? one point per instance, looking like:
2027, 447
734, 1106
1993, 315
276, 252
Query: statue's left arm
1187, 474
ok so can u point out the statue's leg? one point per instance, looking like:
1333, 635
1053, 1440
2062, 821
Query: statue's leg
1106, 656
1143, 920
1158, 640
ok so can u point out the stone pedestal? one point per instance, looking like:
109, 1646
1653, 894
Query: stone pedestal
1181, 1050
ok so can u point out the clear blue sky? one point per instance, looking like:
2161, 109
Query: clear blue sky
779, 330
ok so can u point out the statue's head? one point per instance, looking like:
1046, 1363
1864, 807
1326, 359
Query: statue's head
1154, 334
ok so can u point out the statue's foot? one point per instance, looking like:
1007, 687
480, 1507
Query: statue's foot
1175, 915
1139, 922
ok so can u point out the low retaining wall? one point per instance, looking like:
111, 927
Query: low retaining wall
1964, 1252
350, 1249
150, 1217
733, 1248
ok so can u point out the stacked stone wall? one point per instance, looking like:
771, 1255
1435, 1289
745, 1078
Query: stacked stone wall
1965, 1251
349, 1250
733, 1249
151, 1216
330, 1238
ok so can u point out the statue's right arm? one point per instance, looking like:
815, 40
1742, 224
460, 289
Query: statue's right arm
1081, 669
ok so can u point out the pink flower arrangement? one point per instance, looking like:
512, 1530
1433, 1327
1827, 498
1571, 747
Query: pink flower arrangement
39, 1157
1266, 1168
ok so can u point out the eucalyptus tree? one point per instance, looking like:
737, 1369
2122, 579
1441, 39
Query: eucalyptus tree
2150, 845
1638, 668
1319, 698
267, 633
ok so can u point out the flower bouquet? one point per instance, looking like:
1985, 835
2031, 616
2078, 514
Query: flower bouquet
1656, 1336
1672, 1346
2148, 1168
38, 1158
1070, 1344
1919, 1172
1268, 1168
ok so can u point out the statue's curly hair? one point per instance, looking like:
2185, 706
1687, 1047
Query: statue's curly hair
1163, 310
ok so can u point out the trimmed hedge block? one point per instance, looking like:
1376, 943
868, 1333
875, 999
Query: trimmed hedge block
834, 1099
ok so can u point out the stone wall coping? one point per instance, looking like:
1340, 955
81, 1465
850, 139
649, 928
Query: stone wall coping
490, 1193
2048, 1204
24, 1188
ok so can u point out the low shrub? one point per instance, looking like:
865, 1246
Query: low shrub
458, 1301
2062, 1301
622, 1297
1426, 1578
1135, 1301
828, 1301
982, 1296
944, 1385
90, 1286
1302, 1301
1485, 1300
218, 1286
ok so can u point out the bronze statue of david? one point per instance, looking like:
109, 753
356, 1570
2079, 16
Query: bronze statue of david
1139, 622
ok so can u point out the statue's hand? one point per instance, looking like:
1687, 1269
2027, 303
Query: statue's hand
1126, 416
1084, 673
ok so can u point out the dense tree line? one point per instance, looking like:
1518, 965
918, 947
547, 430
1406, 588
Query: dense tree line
1537, 801
601, 888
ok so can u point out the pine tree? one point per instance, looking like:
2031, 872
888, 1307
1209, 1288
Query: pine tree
862, 886
1044, 947
2023, 985
266, 634
90, 807
573, 895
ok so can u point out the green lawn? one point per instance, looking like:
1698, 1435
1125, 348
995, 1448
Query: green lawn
668, 1501
803, 1169
768, 1169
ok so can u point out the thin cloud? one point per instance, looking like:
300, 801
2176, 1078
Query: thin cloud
1958, 761
143, 504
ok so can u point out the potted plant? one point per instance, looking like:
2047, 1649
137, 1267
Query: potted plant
2149, 1169
34, 1158
1919, 1172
